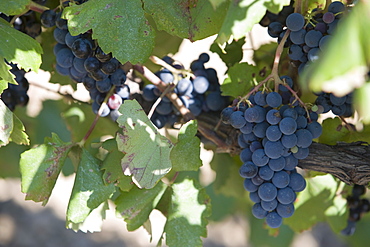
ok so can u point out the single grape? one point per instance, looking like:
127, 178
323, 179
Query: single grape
249, 186
288, 126
245, 155
274, 99
286, 195
269, 206
65, 58
248, 170
267, 191
114, 101
295, 21
274, 220
200, 84
285, 210
82, 48
265, 173
258, 211
237, 119
259, 157
281, 179
48, 18
297, 182
274, 150
277, 164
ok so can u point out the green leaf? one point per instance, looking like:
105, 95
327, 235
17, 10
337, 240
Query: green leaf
93, 222
40, 167
18, 134
242, 15
350, 37
136, 205
19, 48
228, 181
121, 27
147, 152
89, 190
240, 81
334, 131
186, 19
14, 7
361, 102
6, 124
185, 155
317, 203
112, 167
189, 208
232, 53
5, 75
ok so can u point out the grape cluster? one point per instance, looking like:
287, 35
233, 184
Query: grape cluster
16, 94
357, 207
200, 93
80, 58
274, 136
340, 106
27, 23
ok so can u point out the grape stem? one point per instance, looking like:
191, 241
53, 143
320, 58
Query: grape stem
149, 75
156, 103
97, 116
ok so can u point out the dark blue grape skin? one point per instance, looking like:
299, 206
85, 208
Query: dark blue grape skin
82, 48
312, 38
260, 98
288, 80
269, 206
259, 129
289, 141
248, 128
281, 179
104, 86
304, 138
257, 180
274, 99
69, 39
286, 195
255, 145
274, 150
204, 57
254, 197
274, 29
65, 58
78, 64
61, 70
267, 191
92, 64
48, 18
297, 182
295, 21
302, 153
259, 157
277, 164
288, 126
59, 35
291, 162
215, 101
96, 106
255, 114
274, 220
315, 128
164, 108
225, 114
285, 210
148, 93
245, 155
248, 170
265, 173
273, 133
290, 112
295, 52
98, 75
336, 7
237, 119
273, 116
297, 37
249, 186
110, 66
258, 211
118, 78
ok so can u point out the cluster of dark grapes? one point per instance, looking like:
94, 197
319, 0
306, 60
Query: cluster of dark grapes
357, 207
16, 94
306, 40
274, 136
80, 58
200, 93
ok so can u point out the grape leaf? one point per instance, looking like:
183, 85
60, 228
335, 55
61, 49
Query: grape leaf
5, 75
112, 167
361, 102
191, 20
242, 15
147, 152
18, 134
317, 203
350, 37
40, 167
228, 181
188, 210
89, 190
240, 80
14, 7
17, 47
232, 53
121, 27
185, 155
6, 124
136, 205
93, 222
334, 131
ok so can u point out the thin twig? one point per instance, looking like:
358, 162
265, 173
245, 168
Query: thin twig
176, 101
